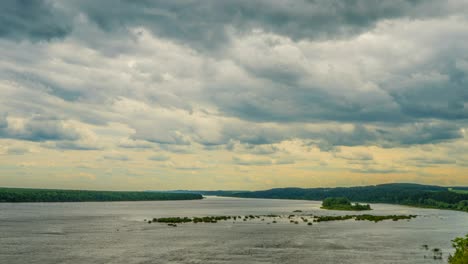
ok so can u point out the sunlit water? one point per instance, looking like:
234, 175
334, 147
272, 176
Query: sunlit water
115, 232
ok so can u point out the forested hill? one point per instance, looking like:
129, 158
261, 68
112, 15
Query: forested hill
395, 193
13, 195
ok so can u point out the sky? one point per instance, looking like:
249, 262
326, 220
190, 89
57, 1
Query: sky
243, 95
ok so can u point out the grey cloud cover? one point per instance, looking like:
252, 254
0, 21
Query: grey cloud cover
330, 73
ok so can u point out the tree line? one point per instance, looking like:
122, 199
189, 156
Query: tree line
343, 203
15, 195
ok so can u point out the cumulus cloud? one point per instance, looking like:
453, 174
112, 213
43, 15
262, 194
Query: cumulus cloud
37, 128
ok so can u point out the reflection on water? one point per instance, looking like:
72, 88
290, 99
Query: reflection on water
114, 232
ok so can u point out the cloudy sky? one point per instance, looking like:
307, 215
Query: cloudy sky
136, 95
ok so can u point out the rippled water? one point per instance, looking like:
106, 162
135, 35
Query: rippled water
114, 232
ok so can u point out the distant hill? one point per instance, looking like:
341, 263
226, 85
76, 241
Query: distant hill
394, 193
382, 192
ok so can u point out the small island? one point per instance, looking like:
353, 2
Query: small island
343, 203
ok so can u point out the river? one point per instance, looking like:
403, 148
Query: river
115, 232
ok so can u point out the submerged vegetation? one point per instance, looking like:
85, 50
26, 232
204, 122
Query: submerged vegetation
293, 219
343, 203
17, 195
365, 217
460, 244
206, 219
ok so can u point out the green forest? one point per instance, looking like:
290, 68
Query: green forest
396, 193
17, 195
343, 203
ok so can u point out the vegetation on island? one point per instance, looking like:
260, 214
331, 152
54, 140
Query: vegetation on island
179, 220
17, 195
293, 219
365, 217
461, 251
343, 203
428, 196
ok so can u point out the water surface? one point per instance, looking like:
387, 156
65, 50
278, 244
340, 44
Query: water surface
114, 232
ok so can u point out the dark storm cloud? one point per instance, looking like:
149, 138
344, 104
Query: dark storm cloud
296, 104
32, 19
204, 24
442, 102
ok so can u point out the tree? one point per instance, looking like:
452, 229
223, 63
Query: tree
461, 251
332, 201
